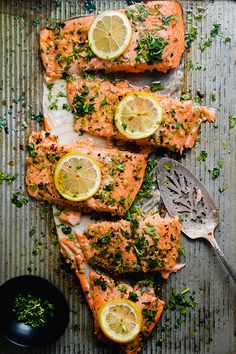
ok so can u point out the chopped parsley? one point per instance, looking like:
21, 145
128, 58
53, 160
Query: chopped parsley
31, 150
149, 314
203, 155
102, 283
37, 249
222, 189
232, 121
37, 118
8, 177
133, 296
149, 179
182, 250
33, 311
190, 37
80, 105
156, 86
66, 229
89, 6
3, 123
227, 40
19, 199
166, 20
214, 172
150, 48
208, 42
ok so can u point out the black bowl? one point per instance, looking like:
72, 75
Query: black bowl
19, 333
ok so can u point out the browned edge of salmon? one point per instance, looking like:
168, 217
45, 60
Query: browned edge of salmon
157, 42
179, 127
122, 173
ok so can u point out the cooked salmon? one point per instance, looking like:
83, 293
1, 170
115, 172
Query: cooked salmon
157, 43
122, 247
99, 288
122, 173
94, 102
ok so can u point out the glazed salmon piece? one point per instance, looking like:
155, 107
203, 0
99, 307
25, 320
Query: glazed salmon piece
122, 173
120, 247
157, 43
94, 102
99, 288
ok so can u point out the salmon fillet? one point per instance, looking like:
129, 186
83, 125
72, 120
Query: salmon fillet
94, 102
157, 43
120, 247
122, 173
99, 288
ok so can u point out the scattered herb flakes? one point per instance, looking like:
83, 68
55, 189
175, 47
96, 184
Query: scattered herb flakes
213, 96
74, 327
37, 118
182, 250
166, 20
133, 296
215, 31
180, 304
66, 229
192, 66
19, 199
222, 189
33, 311
102, 283
157, 86
227, 40
168, 166
8, 177
232, 121
149, 180
37, 249
89, 6
190, 37
203, 155
220, 163
3, 123
215, 126
185, 97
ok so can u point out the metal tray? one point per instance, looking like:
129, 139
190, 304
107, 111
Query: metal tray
211, 327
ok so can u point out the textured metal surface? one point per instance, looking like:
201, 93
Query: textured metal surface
211, 327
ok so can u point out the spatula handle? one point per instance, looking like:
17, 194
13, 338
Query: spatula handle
216, 247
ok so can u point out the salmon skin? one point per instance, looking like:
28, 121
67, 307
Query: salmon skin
178, 130
122, 173
99, 288
157, 43
122, 247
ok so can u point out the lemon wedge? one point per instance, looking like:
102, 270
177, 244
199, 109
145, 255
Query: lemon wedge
120, 320
138, 115
77, 176
110, 34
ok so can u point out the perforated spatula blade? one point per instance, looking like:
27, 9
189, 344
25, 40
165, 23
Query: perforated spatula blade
185, 196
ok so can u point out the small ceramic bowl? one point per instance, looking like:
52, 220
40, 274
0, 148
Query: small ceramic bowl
18, 332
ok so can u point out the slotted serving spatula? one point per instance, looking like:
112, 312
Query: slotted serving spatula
185, 196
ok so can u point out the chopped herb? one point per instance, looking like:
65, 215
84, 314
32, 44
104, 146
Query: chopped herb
150, 48
203, 155
225, 144
227, 40
32, 231
192, 66
185, 97
31, 150
156, 86
190, 37
36, 117
66, 107
37, 249
74, 327
81, 107
102, 283
89, 6
66, 229
149, 314
166, 20
3, 123
50, 86
182, 250
168, 166
33, 186
214, 172
36, 23
8, 177
146, 283
19, 199
220, 163
53, 105
222, 189
55, 25
33, 311
104, 102
232, 121
133, 296
149, 180
122, 288
208, 42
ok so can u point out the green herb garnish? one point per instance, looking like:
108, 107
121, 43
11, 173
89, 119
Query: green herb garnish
8, 177
156, 86
19, 199
149, 180
33, 311
208, 42
203, 155
232, 121
190, 37
133, 296
150, 48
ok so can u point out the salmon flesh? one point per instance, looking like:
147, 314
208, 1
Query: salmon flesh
157, 43
94, 102
122, 173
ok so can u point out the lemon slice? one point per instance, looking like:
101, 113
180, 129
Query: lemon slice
138, 115
110, 34
77, 176
120, 320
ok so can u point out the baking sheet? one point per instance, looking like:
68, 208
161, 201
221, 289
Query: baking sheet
211, 327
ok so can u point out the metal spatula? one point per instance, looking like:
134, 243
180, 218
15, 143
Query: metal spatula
185, 196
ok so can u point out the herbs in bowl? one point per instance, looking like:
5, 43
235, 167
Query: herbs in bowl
32, 310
